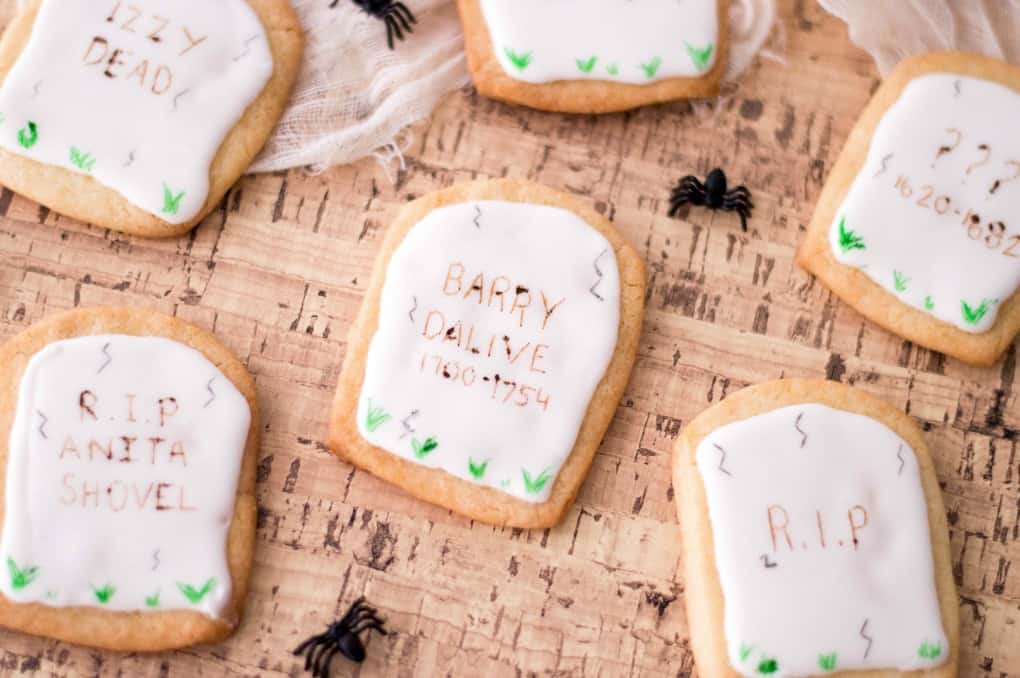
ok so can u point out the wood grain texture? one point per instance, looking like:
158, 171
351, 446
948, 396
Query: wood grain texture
278, 272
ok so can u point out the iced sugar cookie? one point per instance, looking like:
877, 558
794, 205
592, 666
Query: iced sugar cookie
814, 537
491, 351
138, 116
917, 226
578, 57
127, 474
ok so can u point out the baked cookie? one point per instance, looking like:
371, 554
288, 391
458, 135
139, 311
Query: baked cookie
917, 227
568, 56
128, 445
139, 116
491, 350
814, 537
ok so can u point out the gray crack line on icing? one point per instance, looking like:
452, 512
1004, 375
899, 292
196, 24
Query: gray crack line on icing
130, 160
247, 47
478, 215
956, 87
796, 425
109, 358
35, 89
408, 429
42, 424
179, 95
722, 459
410, 314
899, 455
766, 562
212, 393
885, 166
155, 560
598, 272
866, 637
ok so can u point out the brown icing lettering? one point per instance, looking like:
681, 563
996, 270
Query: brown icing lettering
167, 408
86, 402
855, 525
776, 510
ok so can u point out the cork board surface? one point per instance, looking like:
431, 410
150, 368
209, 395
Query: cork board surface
278, 272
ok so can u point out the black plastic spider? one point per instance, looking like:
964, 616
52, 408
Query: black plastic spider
342, 637
713, 195
397, 17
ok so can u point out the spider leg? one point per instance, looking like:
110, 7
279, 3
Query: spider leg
325, 660
352, 612
308, 643
372, 623
738, 191
389, 32
312, 656
333, 4
402, 13
396, 25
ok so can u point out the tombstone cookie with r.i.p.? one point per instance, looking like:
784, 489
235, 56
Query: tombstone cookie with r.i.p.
138, 116
127, 477
491, 351
917, 227
814, 536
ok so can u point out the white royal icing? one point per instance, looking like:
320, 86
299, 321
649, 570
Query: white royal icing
121, 476
934, 215
789, 492
627, 41
496, 324
139, 94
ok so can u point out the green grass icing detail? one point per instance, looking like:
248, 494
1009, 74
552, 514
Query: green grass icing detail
848, 240
83, 161
423, 449
700, 57
652, 67
900, 281
827, 662
929, 303
171, 201
375, 417
535, 485
587, 65
21, 577
105, 594
767, 666
194, 595
929, 651
153, 600
613, 69
520, 61
28, 135
477, 470
745, 652
972, 315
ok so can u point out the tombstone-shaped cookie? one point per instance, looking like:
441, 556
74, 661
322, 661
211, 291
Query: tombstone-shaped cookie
918, 226
491, 351
127, 473
138, 115
577, 56
814, 537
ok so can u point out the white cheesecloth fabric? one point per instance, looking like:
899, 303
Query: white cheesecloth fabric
355, 97
890, 30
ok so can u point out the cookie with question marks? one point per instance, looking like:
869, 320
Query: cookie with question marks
128, 445
917, 227
573, 57
491, 351
815, 540
139, 116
